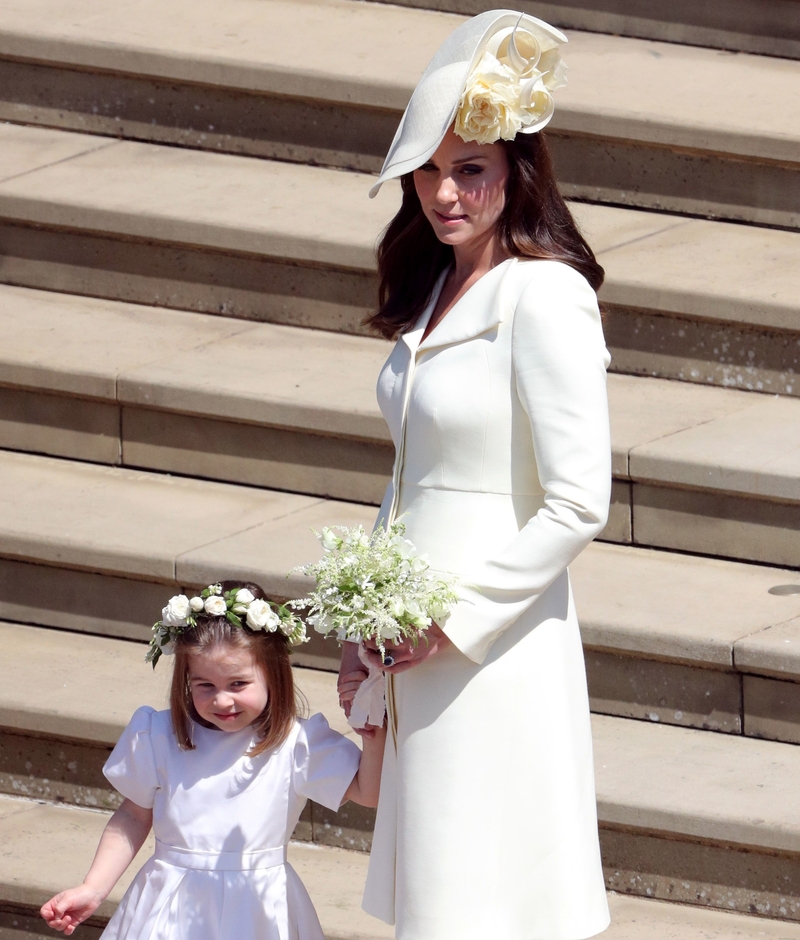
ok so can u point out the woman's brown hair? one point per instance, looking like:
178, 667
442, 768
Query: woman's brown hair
271, 654
535, 224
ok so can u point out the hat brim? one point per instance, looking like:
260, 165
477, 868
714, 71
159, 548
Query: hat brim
434, 103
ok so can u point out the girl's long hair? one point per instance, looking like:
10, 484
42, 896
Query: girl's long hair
535, 223
271, 654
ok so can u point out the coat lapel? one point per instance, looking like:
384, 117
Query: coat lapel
480, 309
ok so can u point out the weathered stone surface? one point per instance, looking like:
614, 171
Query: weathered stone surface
670, 693
724, 877
229, 285
677, 607
725, 354
276, 458
771, 709
747, 452
80, 600
696, 787
306, 380
738, 25
711, 523
775, 651
51, 508
59, 426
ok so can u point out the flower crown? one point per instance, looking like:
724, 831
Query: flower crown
238, 606
509, 90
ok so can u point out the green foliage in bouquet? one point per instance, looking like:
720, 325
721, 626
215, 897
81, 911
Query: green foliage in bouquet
374, 587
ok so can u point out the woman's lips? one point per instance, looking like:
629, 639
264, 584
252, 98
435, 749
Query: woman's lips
449, 219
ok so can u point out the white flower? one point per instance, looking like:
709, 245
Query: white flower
215, 606
396, 607
214, 589
416, 614
329, 540
260, 616
322, 623
490, 105
176, 611
243, 596
403, 547
196, 603
509, 90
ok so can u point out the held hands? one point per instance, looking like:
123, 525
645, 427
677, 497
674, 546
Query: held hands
72, 907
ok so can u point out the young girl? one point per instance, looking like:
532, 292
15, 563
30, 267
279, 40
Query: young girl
222, 778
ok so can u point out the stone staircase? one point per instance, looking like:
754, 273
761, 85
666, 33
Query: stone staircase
186, 391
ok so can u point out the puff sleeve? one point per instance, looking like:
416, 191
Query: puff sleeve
559, 362
131, 768
325, 762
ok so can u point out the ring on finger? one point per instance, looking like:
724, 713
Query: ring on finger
388, 660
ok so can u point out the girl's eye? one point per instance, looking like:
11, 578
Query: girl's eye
239, 683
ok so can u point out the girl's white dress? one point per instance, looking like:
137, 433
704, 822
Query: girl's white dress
222, 821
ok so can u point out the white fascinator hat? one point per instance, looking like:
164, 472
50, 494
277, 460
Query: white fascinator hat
492, 78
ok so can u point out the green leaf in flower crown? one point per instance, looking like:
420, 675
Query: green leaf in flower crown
233, 618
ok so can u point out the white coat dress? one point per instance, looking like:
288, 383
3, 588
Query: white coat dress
487, 825
222, 821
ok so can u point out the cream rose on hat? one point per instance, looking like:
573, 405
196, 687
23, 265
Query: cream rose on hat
491, 79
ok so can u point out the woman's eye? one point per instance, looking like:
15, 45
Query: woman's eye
427, 168
471, 169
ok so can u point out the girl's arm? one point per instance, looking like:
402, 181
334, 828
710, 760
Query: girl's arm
122, 838
366, 784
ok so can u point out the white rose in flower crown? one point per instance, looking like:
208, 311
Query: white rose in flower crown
176, 611
490, 106
196, 603
260, 616
243, 596
215, 606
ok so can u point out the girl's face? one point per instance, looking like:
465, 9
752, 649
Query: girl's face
462, 190
228, 687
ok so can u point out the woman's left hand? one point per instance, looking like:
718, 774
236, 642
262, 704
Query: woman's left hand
406, 654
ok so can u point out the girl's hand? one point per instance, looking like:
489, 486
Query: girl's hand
70, 908
352, 673
406, 654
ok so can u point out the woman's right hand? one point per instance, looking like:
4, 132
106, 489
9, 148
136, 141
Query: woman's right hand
69, 908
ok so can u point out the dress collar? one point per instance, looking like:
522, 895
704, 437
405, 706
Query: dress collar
481, 308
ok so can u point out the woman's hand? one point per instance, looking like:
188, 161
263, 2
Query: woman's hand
70, 908
406, 654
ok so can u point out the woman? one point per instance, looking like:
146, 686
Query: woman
495, 397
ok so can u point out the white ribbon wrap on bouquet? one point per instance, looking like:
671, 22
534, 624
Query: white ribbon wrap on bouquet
369, 704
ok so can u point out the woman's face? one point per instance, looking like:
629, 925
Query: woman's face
462, 190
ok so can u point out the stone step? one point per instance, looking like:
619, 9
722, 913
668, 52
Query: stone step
254, 239
656, 131
696, 468
768, 28
670, 637
685, 815
47, 846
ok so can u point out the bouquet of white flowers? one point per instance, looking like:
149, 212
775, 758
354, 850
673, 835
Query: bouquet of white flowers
374, 587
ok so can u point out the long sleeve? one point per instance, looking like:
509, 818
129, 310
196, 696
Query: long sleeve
559, 362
